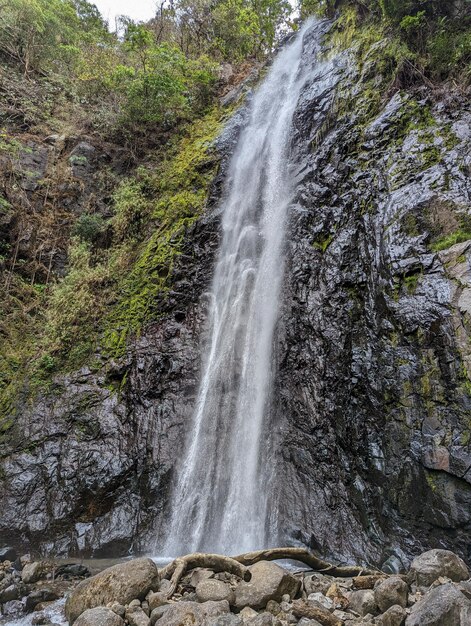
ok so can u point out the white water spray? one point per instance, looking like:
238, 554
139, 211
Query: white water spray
220, 500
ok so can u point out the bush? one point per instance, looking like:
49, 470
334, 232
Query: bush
88, 227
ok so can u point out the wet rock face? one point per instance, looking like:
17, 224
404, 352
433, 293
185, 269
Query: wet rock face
372, 393
372, 397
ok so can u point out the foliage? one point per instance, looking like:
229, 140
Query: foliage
88, 227
437, 33
446, 242
180, 187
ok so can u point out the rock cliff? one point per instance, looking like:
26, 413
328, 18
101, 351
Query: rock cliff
371, 413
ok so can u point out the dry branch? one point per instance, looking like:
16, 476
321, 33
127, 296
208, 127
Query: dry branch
215, 562
367, 582
308, 558
319, 613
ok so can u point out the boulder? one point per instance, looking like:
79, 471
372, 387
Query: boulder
135, 616
362, 602
157, 613
194, 613
199, 574
320, 598
99, 616
40, 595
71, 570
32, 572
12, 592
269, 582
121, 583
212, 589
156, 599
429, 566
7, 554
442, 606
394, 616
390, 592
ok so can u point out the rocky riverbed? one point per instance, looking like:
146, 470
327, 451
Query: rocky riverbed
435, 591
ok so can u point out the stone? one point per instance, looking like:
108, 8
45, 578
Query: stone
120, 583
135, 616
183, 613
269, 582
99, 616
442, 606
32, 572
362, 601
72, 570
117, 608
247, 613
164, 585
394, 616
43, 594
389, 592
273, 607
229, 619
199, 574
429, 566
7, 554
157, 598
262, 619
212, 589
134, 603
316, 584
320, 598
305, 621
157, 613
12, 592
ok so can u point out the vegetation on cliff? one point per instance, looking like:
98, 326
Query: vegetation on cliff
105, 160
86, 264
434, 37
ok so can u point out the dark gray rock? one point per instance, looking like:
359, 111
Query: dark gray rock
429, 566
394, 616
442, 606
370, 414
71, 570
7, 554
362, 602
43, 594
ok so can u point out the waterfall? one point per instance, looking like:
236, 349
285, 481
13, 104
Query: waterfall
219, 502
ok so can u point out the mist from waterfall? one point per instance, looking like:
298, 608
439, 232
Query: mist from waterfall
219, 502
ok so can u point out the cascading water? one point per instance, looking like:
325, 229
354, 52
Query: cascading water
220, 500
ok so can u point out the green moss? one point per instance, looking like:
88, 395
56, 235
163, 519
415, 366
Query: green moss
447, 241
180, 188
323, 244
431, 480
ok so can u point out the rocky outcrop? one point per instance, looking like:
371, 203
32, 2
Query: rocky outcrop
372, 394
121, 583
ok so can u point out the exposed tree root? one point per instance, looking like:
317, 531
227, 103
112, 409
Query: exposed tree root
319, 613
308, 558
238, 565
215, 562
